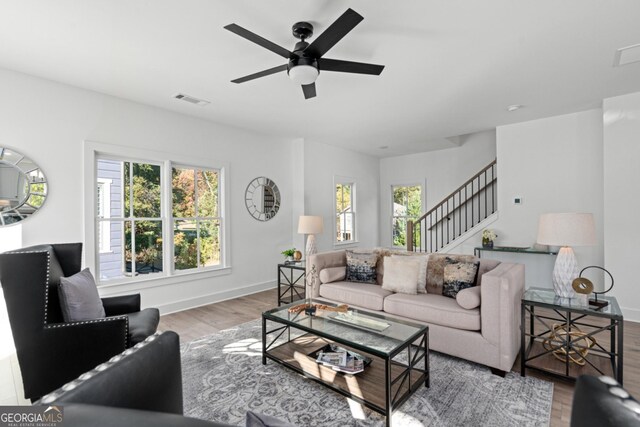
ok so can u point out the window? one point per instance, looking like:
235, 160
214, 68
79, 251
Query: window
154, 218
196, 218
134, 226
406, 204
345, 212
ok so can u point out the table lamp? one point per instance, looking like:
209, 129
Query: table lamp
566, 230
310, 225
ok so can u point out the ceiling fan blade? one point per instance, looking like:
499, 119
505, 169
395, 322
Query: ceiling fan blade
261, 41
309, 90
326, 64
260, 74
333, 34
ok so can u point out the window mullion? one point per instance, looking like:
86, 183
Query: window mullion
166, 212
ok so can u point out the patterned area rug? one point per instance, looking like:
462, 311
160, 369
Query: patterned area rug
223, 378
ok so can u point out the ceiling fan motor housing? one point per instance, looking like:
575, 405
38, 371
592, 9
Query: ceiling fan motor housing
302, 30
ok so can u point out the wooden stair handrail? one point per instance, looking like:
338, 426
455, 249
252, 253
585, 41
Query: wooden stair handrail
486, 168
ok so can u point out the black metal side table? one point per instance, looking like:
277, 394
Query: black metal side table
570, 337
291, 282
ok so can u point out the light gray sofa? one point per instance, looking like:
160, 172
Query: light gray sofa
489, 334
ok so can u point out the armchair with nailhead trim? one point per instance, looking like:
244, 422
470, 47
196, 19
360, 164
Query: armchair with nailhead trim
52, 352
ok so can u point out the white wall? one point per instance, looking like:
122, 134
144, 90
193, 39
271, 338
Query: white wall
555, 165
322, 163
49, 122
622, 198
443, 171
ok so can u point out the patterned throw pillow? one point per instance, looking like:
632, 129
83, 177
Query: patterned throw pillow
361, 267
435, 270
458, 275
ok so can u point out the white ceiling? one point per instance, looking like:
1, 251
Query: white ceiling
452, 67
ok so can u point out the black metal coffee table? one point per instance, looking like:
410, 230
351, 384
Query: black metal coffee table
399, 366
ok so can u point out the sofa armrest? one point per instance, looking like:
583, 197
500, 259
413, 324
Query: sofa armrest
321, 261
501, 293
124, 304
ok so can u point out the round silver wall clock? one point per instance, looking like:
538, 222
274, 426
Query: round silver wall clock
262, 198
23, 187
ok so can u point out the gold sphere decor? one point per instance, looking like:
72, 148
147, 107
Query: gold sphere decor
558, 339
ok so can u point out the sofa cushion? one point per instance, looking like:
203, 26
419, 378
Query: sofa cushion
401, 274
79, 299
433, 309
458, 275
469, 298
435, 270
361, 267
365, 295
333, 274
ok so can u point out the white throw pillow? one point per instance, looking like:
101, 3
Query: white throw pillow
422, 274
469, 298
401, 275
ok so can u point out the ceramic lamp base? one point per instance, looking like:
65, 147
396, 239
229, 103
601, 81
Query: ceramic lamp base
311, 245
564, 271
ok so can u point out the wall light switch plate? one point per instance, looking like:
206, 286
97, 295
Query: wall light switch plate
517, 200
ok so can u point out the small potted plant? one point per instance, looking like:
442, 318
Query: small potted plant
488, 236
289, 254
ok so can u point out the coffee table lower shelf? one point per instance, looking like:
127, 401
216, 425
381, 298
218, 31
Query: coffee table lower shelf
369, 387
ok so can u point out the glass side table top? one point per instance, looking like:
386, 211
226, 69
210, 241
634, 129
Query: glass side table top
379, 333
539, 296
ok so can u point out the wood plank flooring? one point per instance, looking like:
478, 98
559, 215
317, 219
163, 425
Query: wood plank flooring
207, 320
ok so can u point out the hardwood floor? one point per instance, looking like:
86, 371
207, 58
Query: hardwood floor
206, 320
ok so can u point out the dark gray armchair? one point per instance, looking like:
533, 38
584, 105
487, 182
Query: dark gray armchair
50, 351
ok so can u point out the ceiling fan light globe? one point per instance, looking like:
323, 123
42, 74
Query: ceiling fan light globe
303, 74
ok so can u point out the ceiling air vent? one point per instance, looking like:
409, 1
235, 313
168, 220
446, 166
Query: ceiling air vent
191, 99
626, 55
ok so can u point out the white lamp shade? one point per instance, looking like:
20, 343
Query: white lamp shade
566, 229
310, 224
303, 74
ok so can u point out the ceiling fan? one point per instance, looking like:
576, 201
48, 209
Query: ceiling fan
306, 61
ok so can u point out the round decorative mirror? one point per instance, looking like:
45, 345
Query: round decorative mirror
262, 198
23, 187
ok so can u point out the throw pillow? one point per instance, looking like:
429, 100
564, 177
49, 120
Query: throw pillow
79, 299
458, 275
361, 267
469, 298
332, 274
435, 270
261, 420
401, 275
422, 276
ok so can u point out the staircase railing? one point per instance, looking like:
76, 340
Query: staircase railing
456, 214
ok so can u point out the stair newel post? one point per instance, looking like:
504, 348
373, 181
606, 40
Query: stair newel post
409, 235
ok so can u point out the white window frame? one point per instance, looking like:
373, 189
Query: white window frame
344, 180
393, 216
95, 150
104, 185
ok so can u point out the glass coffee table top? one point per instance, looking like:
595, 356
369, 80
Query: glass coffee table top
378, 333
541, 296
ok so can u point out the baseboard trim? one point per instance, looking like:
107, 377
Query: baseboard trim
220, 296
631, 314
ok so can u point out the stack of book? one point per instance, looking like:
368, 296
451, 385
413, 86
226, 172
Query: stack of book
341, 360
